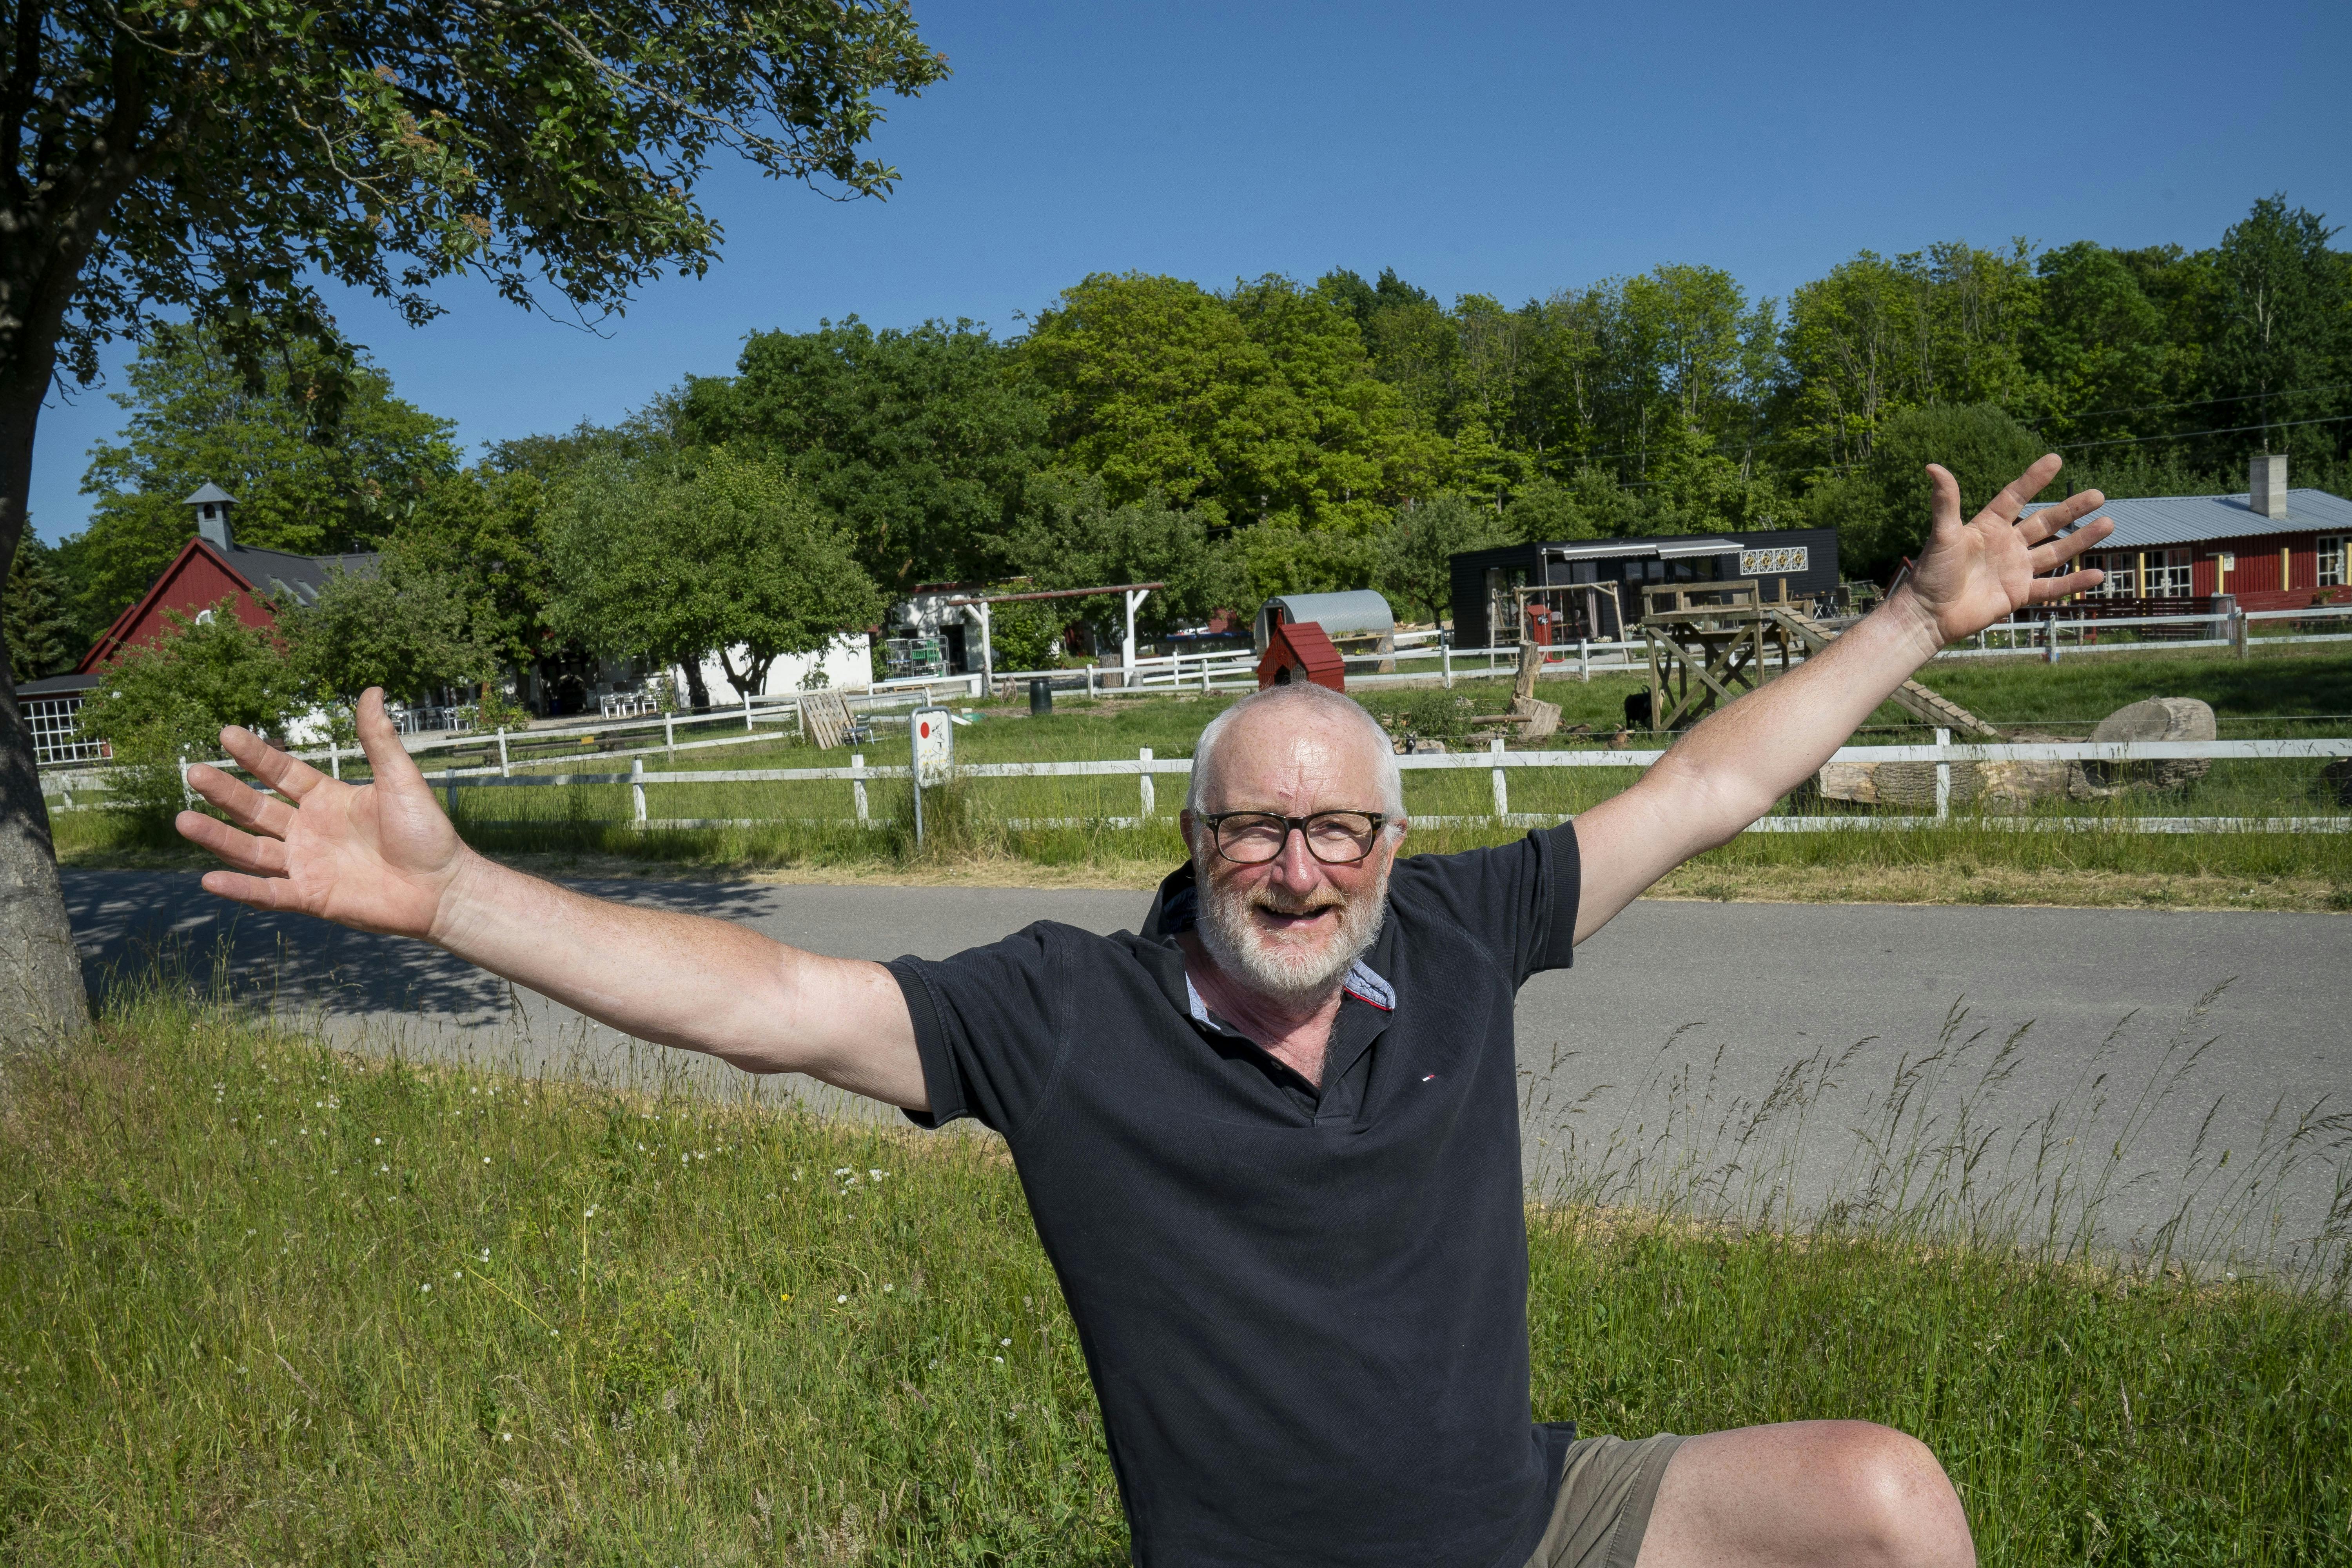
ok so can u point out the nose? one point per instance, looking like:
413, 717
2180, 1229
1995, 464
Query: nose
1296, 866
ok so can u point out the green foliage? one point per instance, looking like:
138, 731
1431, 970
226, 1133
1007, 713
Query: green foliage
668, 558
303, 482
1983, 447
170, 698
2284, 314
1027, 633
1418, 541
920, 440
484, 530
406, 627
253, 147
1262, 401
1070, 535
43, 634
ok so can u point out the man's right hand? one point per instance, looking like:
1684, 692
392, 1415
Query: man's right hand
381, 857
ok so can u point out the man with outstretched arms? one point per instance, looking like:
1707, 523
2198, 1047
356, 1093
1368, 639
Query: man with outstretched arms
1270, 1140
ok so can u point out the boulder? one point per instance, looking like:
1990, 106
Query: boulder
2157, 719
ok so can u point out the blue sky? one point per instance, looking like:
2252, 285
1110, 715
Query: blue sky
1504, 149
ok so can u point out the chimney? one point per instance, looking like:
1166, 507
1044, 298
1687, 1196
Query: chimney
212, 504
2266, 484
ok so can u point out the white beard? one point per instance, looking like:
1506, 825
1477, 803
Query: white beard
1291, 973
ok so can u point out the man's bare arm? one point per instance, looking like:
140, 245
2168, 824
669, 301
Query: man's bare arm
1730, 770
382, 857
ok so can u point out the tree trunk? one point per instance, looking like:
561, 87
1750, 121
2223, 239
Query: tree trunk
41, 994
697, 695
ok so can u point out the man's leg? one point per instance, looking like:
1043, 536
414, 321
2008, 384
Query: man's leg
1826, 1493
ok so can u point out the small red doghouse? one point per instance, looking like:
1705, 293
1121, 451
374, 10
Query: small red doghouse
1298, 650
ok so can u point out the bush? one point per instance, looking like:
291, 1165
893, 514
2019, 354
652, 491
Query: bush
172, 698
1027, 634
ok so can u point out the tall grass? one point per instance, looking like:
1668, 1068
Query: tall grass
263, 1301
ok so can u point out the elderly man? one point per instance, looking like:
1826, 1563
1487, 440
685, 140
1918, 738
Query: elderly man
1271, 1141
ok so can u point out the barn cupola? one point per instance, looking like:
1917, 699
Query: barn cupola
212, 503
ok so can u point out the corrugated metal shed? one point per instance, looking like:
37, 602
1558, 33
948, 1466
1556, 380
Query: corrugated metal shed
1359, 614
2151, 521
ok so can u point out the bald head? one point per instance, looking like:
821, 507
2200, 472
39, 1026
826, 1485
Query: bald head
1300, 739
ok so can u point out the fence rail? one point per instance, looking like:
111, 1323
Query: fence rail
1499, 763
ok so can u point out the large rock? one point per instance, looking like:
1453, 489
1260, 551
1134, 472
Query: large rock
2157, 719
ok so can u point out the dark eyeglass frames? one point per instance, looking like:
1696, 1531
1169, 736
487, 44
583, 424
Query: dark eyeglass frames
1334, 838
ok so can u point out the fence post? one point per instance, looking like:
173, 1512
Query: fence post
1502, 789
187, 795
1445, 662
1150, 800
2051, 626
637, 788
857, 784
747, 712
1205, 674
1584, 661
334, 758
449, 778
669, 734
504, 772
1090, 681
1943, 776
2238, 631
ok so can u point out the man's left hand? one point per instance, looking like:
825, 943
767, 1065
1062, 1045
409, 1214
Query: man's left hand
1976, 572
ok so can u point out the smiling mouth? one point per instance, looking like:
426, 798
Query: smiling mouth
1294, 920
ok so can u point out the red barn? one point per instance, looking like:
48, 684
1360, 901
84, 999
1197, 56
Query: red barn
209, 568
2269, 548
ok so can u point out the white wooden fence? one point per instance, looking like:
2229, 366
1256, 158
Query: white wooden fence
1500, 764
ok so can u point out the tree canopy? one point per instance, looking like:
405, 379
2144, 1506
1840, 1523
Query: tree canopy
671, 558
919, 439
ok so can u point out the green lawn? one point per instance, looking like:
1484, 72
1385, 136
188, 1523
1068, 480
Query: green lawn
262, 1302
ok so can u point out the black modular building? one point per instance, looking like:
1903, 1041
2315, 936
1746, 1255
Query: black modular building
1591, 588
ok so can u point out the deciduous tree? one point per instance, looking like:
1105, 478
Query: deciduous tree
159, 158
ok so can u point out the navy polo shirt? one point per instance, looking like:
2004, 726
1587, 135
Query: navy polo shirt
1305, 1310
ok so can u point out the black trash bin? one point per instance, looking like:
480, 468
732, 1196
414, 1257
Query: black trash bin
1041, 696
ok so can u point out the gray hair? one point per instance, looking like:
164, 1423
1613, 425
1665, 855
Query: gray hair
1321, 699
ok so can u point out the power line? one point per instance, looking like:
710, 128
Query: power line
2186, 435
2202, 403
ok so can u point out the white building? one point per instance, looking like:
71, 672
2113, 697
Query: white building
845, 663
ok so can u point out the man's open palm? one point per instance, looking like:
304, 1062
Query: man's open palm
1976, 572
379, 856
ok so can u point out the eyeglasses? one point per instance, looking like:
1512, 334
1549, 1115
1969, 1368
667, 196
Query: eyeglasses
1334, 838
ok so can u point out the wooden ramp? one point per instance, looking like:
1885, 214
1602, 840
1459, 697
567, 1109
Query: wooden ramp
1937, 709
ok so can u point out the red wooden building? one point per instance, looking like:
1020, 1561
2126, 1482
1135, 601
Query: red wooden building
2269, 548
210, 567
1299, 651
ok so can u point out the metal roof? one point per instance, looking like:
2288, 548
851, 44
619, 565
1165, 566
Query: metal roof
210, 491
2148, 522
1357, 614
1669, 547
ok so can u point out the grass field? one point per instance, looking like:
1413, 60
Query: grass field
263, 1302
2295, 693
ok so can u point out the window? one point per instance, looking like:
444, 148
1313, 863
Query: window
2167, 574
2122, 568
2331, 560
56, 724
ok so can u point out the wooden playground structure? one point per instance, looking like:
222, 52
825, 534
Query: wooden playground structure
1710, 642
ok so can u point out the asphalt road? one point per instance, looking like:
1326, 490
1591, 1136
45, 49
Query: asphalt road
1656, 1057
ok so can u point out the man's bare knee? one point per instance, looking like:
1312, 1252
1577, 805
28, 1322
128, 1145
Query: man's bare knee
1899, 1506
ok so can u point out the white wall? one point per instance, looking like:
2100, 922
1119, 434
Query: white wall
848, 662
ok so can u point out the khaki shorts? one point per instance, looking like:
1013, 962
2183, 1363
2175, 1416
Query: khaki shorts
1605, 1492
